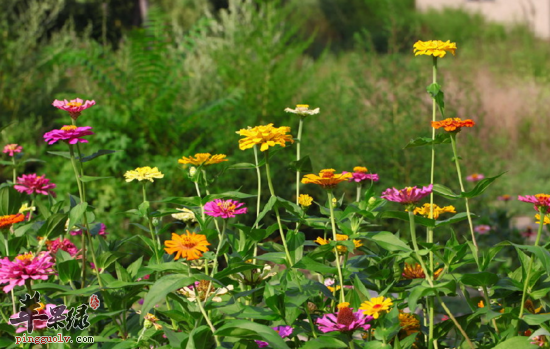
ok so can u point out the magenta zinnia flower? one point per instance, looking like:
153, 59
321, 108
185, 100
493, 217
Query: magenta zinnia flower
407, 196
12, 148
65, 245
475, 177
540, 201
37, 324
360, 174
224, 208
70, 133
74, 107
482, 229
32, 184
283, 331
345, 320
100, 228
25, 267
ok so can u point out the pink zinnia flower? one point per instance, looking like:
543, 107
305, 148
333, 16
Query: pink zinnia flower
99, 228
345, 320
283, 331
360, 174
504, 197
74, 107
12, 148
540, 201
25, 267
65, 245
482, 229
475, 177
37, 324
70, 133
407, 196
32, 184
224, 208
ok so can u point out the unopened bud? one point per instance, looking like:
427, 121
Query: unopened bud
192, 171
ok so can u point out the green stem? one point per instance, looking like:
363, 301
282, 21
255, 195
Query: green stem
358, 193
220, 243
459, 173
200, 197
298, 158
14, 169
486, 296
276, 209
333, 224
259, 175
526, 283
201, 308
5, 236
151, 228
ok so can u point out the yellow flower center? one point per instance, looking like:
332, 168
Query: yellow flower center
409, 189
25, 257
227, 206
542, 196
74, 104
302, 106
68, 128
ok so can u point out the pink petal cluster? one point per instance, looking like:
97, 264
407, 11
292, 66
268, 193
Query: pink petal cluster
475, 177
37, 324
482, 229
224, 208
71, 134
283, 331
539, 200
101, 232
359, 177
25, 267
64, 245
345, 320
74, 107
407, 196
12, 148
33, 184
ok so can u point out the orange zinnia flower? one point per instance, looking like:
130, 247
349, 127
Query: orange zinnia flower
7, 221
190, 246
326, 178
203, 159
453, 124
416, 272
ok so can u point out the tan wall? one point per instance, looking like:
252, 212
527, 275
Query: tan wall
536, 13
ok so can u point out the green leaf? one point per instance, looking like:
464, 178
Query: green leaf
96, 154
302, 165
76, 214
390, 242
242, 166
536, 319
86, 179
69, 270
454, 219
227, 195
444, 191
64, 154
161, 288
415, 294
54, 226
10, 201
480, 187
324, 342
520, 342
376, 345
309, 264
440, 138
479, 279
542, 254
251, 330
437, 94
404, 216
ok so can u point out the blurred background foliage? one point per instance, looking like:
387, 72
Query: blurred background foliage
188, 74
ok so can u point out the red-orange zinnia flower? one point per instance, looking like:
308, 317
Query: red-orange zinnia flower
7, 221
189, 246
453, 124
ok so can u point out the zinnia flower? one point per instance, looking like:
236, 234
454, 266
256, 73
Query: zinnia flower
425, 210
186, 215
329, 283
528, 233
407, 196
143, 173
376, 305
339, 237
283, 331
69, 133
482, 229
409, 324
453, 124
199, 291
436, 48
266, 136
504, 197
64, 245
360, 174
345, 320
224, 208
204, 159
38, 324
189, 246
305, 200
416, 272
10, 149
540, 201
326, 178
151, 320
33, 184
303, 110
7, 221
475, 177
530, 307
26, 208
74, 107
25, 267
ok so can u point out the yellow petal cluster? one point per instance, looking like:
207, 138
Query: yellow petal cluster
436, 48
425, 210
339, 237
305, 200
546, 219
266, 136
326, 178
203, 159
376, 306
143, 173
409, 324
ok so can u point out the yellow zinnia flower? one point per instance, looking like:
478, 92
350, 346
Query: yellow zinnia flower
326, 178
436, 48
305, 200
266, 136
375, 306
143, 173
190, 246
425, 210
339, 237
204, 159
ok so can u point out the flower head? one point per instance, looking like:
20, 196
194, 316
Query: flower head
541, 201
453, 124
203, 159
151, 320
186, 215
224, 208
38, 324
416, 272
530, 307
436, 48
283, 331
326, 178
339, 237
254, 277
266, 136
64, 245
482, 229
7, 221
546, 219
425, 210
528, 233
10, 149
303, 110
143, 173
475, 177
407, 196
189, 246
71, 134
360, 174
345, 320
409, 324
305, 200
74, 107
202, 290
376, 305
25, 267
33, 184
504, 197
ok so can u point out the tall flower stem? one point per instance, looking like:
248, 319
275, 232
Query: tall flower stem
530, 267
220, 243
259, 175
6, 245
212, 328
298, 145
338, 266
276, 209
459, 173
358, 192
14, 169
151, 228
430, 282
